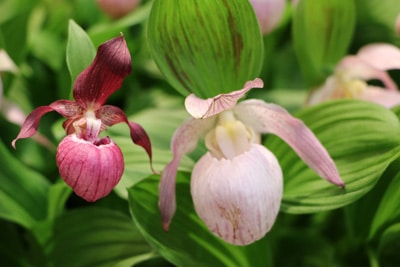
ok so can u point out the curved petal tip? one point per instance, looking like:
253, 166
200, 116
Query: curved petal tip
204, 108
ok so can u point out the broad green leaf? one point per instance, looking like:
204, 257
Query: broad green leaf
12, 246
322, 31
58, 196
23, 192
389, 246
95, 237
188, 242
378, 12
362, 138
208, 48
80, 50
109, 29
137, 165
389, 207
360, 214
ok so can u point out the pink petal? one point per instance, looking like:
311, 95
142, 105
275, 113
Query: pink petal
200, 108
111, 115
355, 67
381, 96
6, 63
270, 118
183, 141
269, 13
31, 123
238, 199
117, 8
105, 75
92, 170
381, 56
397, 25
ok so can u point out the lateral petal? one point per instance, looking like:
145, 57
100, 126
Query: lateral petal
381, 56
183, 141
270, 118
356, 67
381, 96
111, 115
105, 75
31, 123
238, 199
204, 108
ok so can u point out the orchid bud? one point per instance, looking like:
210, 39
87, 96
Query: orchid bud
91, 169
117, 8
269, 13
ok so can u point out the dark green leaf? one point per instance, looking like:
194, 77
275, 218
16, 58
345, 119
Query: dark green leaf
23, 192
95, 237
208, 48
389, 207
362, 138
188, 242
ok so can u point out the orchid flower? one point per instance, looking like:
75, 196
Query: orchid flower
269, 13
237, 185
90, 164
350, 76
117, 8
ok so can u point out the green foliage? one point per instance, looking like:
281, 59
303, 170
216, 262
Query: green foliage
80, 50
23, 192
322, 32
203, 52
362, 138
179, 47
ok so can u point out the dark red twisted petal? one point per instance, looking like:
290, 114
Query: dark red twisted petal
111, 115
66, 108
105, 75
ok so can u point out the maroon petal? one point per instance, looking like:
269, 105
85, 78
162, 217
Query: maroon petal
105, 75
92, 170
66, 108
111, 115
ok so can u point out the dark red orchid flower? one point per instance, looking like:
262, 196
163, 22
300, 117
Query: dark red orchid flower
92, 165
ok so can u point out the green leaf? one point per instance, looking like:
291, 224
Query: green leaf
208, 48
389, 207
378, 12
23, 192
80, 50
109, 29
95, 237
389, 246
137, 165
188, 242
322, 32
363, 139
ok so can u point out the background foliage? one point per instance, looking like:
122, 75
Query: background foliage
42, 223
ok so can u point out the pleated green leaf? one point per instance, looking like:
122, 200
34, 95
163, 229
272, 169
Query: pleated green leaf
322, 32
23, 192
98, 237
206, 48
362, 138
80, 50
389, 207
188, 242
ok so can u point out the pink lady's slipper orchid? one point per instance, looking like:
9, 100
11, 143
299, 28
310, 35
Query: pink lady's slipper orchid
237, 185
117, 8
350, 76
269, 13
90, 164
